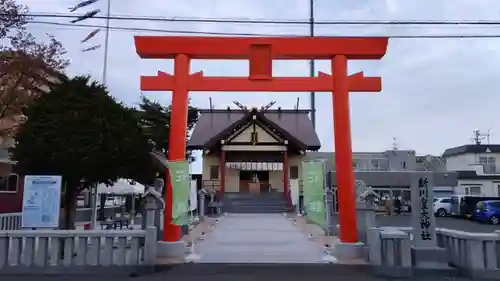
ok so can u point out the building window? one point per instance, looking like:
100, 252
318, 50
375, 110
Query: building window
9, 184
214, 172
355, 163
488, 163
498, 190
294, 172
473, 190
403, 165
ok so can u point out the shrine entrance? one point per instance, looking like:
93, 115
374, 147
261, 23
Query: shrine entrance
261, 52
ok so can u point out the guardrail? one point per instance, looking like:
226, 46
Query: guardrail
52, 250
12, 221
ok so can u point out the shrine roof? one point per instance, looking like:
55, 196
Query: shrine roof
214, 125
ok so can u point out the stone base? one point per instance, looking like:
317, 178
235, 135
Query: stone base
429, 257
170, 249
343, 251
361, 232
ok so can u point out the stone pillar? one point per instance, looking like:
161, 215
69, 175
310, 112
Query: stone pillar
365, 213
222, 167
202, 204
424, 248
157, 218
285, 178
330, 224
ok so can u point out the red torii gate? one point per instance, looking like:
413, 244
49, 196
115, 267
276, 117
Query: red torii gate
260, 51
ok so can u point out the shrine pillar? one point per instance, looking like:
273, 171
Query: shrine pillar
177, 145
286, 168
222, 165
343, 151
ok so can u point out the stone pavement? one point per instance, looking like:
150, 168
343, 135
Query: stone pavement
257, 238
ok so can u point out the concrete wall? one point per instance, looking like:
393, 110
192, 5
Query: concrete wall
10, 202
391, 160
402, 178
470, 161
486, 187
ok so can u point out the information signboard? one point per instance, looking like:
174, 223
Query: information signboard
41, 201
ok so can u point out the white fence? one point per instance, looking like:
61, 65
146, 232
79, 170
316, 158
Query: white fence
389, 247
53, 249
473, 253
10, 221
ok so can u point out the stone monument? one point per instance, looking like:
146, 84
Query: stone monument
425, 252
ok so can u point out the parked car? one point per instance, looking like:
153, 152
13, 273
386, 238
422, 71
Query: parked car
465, 205
488, 211
442, 206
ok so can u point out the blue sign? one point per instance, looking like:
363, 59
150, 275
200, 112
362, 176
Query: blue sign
41, 201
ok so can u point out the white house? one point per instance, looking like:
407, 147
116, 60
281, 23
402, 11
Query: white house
477, 169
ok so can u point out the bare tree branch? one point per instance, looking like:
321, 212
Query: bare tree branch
28, 67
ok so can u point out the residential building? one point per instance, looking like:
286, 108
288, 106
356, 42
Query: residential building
477, 168
40, 82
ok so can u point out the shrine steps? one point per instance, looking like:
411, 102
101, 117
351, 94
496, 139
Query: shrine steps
249, 203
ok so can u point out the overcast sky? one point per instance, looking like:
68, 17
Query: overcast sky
435, 91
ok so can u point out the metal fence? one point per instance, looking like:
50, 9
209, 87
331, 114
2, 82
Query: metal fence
12, 221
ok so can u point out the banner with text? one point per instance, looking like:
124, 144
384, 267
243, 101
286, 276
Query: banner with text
313, 178
180, 180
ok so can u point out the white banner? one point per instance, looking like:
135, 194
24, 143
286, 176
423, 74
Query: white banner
294, 191
193, 195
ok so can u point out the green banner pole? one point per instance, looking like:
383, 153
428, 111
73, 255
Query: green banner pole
313, 187
180, 180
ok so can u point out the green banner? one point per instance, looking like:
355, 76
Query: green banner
180, 180
313, 178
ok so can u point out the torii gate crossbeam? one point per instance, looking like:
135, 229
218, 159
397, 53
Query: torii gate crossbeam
261, 52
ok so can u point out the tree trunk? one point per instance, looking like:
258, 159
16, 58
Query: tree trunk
70, 196
69, 212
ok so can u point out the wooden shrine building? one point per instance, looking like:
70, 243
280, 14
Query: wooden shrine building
253, 150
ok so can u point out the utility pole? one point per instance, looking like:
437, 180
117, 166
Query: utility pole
94, 186
311, 66
106, 43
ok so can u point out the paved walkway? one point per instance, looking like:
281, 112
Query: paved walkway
257, 238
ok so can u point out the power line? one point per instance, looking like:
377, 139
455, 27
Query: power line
118, 28
265, 21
